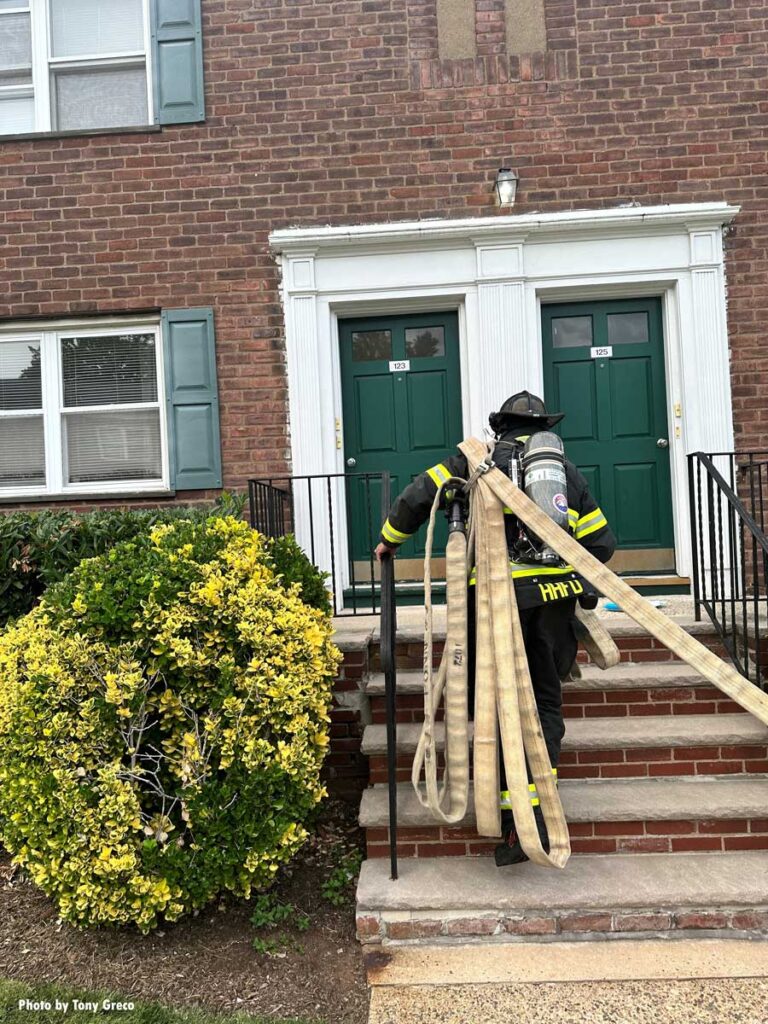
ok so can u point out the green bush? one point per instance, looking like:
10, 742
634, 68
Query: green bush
163, 721
41, 548
292, 565
38, 549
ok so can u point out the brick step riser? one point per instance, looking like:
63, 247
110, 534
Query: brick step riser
699, 700
373, 928
605, 837
641, 762
633, 650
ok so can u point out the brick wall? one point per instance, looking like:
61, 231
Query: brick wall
342, 112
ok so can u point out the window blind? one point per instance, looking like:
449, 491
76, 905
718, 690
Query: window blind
20, 377
88, 27
22, 451
101, 98
107, 446
109, 370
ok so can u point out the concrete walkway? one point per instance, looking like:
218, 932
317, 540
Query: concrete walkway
698, 981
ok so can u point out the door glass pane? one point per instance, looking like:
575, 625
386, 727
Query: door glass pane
627, 328
115, 98
20, 377
117, 370
368, 345
13, 5
15, 41
571, 331
22, 451
423, 342
17, 115
112, 445
84, 27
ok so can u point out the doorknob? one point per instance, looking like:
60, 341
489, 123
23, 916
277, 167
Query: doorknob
662, 443
351, 462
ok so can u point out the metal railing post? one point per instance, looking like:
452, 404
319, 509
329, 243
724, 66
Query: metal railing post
387, 648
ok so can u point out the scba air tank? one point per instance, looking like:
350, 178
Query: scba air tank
544, 481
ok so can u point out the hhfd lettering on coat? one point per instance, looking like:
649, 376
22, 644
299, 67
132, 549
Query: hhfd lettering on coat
561, 589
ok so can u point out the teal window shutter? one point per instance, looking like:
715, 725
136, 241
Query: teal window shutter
177, 50
194, 437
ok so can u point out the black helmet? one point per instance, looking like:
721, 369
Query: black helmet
524, 406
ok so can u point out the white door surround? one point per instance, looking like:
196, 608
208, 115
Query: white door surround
497, 272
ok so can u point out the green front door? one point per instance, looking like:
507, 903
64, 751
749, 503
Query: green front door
604, 368
401, 392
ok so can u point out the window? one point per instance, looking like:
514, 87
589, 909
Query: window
85, 65
80, 411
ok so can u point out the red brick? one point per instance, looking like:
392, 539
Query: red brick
593, 845
368, 927
701, 919
530, 925
585, 923
471, 926
619, 828
669, 828
759, 842
756, 920
641, 922
649, 754
718, 827
412, 929
687, 843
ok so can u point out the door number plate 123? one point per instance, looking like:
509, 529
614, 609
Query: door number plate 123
601, 352
400, 366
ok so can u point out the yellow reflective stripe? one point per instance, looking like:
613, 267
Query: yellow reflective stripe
517, 574
391, 535
506, 801
439, 473
520, 573
585, 532
590, 517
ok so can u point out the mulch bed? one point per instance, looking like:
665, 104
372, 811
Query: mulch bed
208, 960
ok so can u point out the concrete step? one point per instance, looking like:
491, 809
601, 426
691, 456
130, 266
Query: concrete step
676, 799
626, 676
653, 894
644, 731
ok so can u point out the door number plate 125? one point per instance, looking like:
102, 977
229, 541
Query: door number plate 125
601, 352
400, 366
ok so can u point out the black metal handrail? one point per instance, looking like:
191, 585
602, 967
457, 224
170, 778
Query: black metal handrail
389, 667
272, 506
730, 552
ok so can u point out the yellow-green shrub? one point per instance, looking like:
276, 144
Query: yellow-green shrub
163, 721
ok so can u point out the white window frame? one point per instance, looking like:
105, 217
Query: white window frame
45, 65
49, 335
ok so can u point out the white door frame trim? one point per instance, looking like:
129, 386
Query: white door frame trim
496, 271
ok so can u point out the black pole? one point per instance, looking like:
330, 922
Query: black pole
387, 647
694, 537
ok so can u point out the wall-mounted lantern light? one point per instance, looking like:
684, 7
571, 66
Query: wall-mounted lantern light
506, 186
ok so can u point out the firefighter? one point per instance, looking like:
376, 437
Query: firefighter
546, 597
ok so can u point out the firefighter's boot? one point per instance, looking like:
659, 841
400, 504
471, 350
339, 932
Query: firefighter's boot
510, 850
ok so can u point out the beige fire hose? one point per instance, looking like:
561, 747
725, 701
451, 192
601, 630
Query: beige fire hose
714, 669
503, 684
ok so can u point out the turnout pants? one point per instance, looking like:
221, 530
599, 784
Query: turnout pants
550, 644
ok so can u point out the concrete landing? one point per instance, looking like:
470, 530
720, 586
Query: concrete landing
670, 981
721, 1001
537, 962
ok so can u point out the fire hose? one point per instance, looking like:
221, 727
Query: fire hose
504, 697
